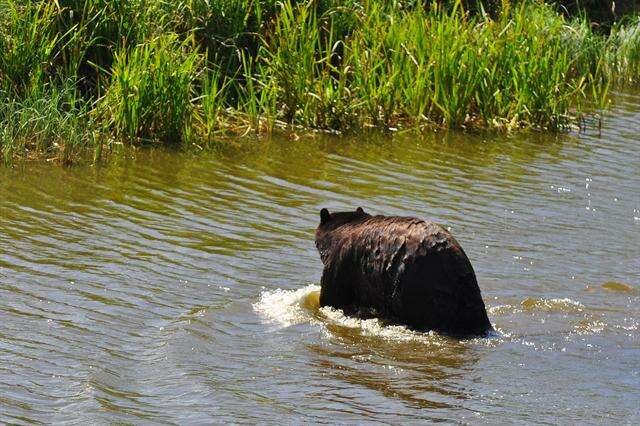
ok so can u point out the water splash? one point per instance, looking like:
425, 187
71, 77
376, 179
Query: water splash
374, 327
290, 307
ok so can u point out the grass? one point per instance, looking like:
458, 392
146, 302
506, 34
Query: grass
54, 124
28, 42
91, 75
623, 57
149, 95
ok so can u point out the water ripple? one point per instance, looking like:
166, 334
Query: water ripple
146, 291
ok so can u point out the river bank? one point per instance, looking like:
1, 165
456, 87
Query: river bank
92, 76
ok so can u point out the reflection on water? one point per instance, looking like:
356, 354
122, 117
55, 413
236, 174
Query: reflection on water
167, 287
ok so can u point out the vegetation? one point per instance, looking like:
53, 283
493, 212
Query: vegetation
94, 74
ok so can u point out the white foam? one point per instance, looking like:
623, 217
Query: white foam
568, 302
375, 327
285, 306
290, 307
502, 309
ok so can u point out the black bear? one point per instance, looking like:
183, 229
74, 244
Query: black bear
404, 269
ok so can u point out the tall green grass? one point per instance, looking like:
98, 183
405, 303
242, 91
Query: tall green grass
439, 67
149, 97
623, 54
28, 43
193, 72
53, 123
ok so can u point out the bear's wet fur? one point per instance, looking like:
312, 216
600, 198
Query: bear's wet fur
403, 269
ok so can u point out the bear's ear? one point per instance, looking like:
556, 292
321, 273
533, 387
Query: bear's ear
325, 216
360, 210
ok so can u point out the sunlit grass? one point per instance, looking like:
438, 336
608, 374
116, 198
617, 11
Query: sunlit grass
192, 72
149, 97
53, 123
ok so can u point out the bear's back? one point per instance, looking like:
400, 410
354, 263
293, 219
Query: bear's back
427, 278
387, 245
388, 232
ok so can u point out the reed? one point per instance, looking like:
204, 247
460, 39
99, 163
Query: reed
149, 98
623, 58
440, 67
28, 44
52, 123
193, 72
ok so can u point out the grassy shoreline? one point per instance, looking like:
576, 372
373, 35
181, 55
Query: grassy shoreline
78, 76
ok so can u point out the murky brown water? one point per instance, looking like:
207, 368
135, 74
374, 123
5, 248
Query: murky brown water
181, 289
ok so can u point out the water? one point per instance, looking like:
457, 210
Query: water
183, 289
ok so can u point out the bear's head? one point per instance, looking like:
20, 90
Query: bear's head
329, 222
